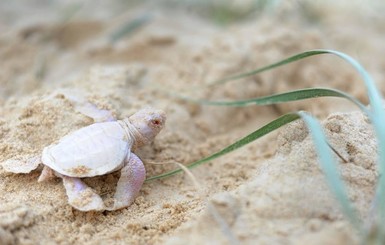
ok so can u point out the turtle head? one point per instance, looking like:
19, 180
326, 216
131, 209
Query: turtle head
148, 122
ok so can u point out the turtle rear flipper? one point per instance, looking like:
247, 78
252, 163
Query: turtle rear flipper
82, 197
23, 166
46, 174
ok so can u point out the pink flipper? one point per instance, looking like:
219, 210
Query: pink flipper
131, 179
82, 197
22, 166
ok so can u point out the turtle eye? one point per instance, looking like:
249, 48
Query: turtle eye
156, 122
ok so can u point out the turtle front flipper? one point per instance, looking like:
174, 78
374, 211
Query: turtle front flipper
81, 196
21, 166
82, 105
131, 180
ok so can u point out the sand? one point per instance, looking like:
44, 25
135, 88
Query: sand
269, 192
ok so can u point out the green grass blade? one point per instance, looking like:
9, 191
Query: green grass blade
269, 67
294, 95
329, 167
277, 123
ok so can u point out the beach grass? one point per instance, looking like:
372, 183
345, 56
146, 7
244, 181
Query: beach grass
327, 160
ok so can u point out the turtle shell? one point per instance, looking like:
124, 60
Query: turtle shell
90, 151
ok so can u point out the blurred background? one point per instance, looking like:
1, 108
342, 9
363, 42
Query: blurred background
53, 40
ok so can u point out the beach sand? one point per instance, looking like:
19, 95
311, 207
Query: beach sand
271, 191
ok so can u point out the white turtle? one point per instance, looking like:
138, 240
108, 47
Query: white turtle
99, 149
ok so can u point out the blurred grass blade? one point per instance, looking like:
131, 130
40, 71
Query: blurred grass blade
294, 95
129, 27
70, 11
277, 123
329, 167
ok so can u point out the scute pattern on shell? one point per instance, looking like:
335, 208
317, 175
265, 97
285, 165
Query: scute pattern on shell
90, 151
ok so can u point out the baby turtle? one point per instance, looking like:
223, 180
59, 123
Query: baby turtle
99, 149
